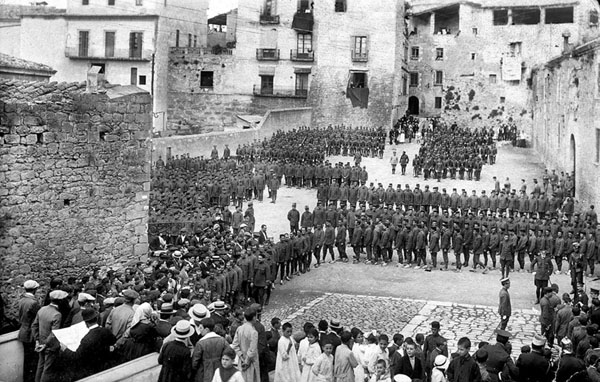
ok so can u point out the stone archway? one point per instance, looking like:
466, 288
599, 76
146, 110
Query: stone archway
413, 105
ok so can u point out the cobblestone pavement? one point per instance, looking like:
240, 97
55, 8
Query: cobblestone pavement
409, 317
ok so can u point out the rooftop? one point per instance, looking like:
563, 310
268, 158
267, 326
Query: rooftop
15, 91
417, 7
11, 62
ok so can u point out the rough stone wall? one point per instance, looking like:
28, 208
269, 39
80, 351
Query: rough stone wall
566, 121
194, 110
490, 43
335, 31
74, 181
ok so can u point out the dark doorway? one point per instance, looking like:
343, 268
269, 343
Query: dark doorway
413, 105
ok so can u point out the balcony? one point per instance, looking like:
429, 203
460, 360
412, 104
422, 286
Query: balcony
202, 51
269, 19
73, 53
267, 54
282, 92
360, 56
302, 56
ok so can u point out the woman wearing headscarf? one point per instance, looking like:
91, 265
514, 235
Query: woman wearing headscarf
141, 338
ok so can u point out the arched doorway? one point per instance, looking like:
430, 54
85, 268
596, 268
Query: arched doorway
573, 162
413, 105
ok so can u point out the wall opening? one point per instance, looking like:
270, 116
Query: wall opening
525, 16
559, 15
102, 135
67, 202
413, 105
39, 138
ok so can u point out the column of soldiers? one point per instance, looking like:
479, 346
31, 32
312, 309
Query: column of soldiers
503, 229
454, 152
184, 187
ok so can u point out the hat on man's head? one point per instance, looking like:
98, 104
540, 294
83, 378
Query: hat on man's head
538, 340
402, 378
83, 297
182, 329
31, 284
441, 362
504, 280
198, 312
503, 333
435, 324
219, 305
334, 324
58, 294
89, 314
108, 301
166, 308
130, 294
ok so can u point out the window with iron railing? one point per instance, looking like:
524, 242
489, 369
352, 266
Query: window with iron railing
267, 54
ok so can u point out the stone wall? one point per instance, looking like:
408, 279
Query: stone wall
566, 121
194, 109
202, 144
75, 176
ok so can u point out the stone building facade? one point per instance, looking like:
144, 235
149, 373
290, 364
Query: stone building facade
472, 61
566, 121
346, 59
74, 180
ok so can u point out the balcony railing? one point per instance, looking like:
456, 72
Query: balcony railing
284, 92
100, 54
269, 19
216, 50
360, 56
302, 56
267, 54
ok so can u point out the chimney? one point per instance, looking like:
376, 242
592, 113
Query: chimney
94, 79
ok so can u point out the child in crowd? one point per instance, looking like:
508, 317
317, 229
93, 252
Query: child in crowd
322, 370
381, 353
286, 369
440, 364
463, 368
381, 372
310, 356
227, 372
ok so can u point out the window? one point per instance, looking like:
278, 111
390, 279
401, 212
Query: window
502, 99
358, 80
84, 37
439, 77
493, 78
597, 145
475, 31
189, 39
111, 2
594, 17
473, 56
266, 84
515, 48
268, 11
559, 15
414, 53
206, 79
139, 2
302, 84
414, 79
85, 2
109, 44
404, 85
525, 16
340, 5
101, 65
177, 38
135, 44
142, 80
360, 45
501, 17
304, 43
438, 102
133, 76
195, 41
303, 5
439, 54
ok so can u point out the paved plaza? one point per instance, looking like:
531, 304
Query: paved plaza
393, 299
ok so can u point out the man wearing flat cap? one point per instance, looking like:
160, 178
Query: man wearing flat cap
534, 366
119, 319
28, 308
47, 319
